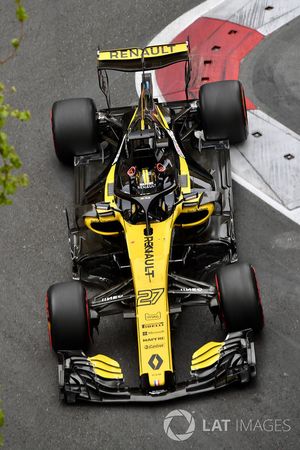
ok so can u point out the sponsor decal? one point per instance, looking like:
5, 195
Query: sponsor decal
134, 53
151, 339
155, 361
149, 257
153, 316
146, 186
109, 299
154, 332
153, 325
187, 289
146, 333
147, 347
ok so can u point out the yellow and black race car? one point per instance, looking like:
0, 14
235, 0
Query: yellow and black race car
153, 231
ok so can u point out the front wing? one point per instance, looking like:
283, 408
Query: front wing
80, 380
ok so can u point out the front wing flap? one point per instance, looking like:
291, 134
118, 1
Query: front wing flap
79, 380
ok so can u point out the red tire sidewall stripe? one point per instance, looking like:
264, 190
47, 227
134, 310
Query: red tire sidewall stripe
48, 322
244, 105
221, 312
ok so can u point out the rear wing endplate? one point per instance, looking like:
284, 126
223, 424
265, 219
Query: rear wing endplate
148, 58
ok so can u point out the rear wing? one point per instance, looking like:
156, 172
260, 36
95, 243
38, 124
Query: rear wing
148, 58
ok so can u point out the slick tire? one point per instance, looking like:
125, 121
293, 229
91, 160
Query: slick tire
68, 316
239, 298
223, 113
74, 128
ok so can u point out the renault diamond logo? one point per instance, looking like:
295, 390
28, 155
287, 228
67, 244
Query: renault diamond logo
155, 362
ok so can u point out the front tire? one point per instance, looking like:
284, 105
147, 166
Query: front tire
223, 112
68, 316
239, 298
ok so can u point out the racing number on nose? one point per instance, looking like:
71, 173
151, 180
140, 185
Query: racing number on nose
149, 296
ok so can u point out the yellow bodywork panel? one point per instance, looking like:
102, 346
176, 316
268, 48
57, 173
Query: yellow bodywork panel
89, 221
161, 118
106, 367
152, 51
207, 355
132, 118
209, 207
149, 260
110, 179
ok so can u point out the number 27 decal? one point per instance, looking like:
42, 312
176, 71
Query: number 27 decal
149, 296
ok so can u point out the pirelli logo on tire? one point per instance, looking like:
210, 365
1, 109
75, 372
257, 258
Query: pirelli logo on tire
149, 296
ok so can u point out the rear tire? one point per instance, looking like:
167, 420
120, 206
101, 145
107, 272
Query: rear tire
223, 112
73, 124
239, 298
68, 316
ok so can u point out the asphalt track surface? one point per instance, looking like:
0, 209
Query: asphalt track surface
57, 60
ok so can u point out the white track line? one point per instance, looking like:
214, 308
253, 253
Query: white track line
259, 165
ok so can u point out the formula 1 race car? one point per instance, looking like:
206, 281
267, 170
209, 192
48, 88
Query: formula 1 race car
153, 231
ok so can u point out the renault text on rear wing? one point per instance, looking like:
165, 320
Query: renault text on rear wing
150, 58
